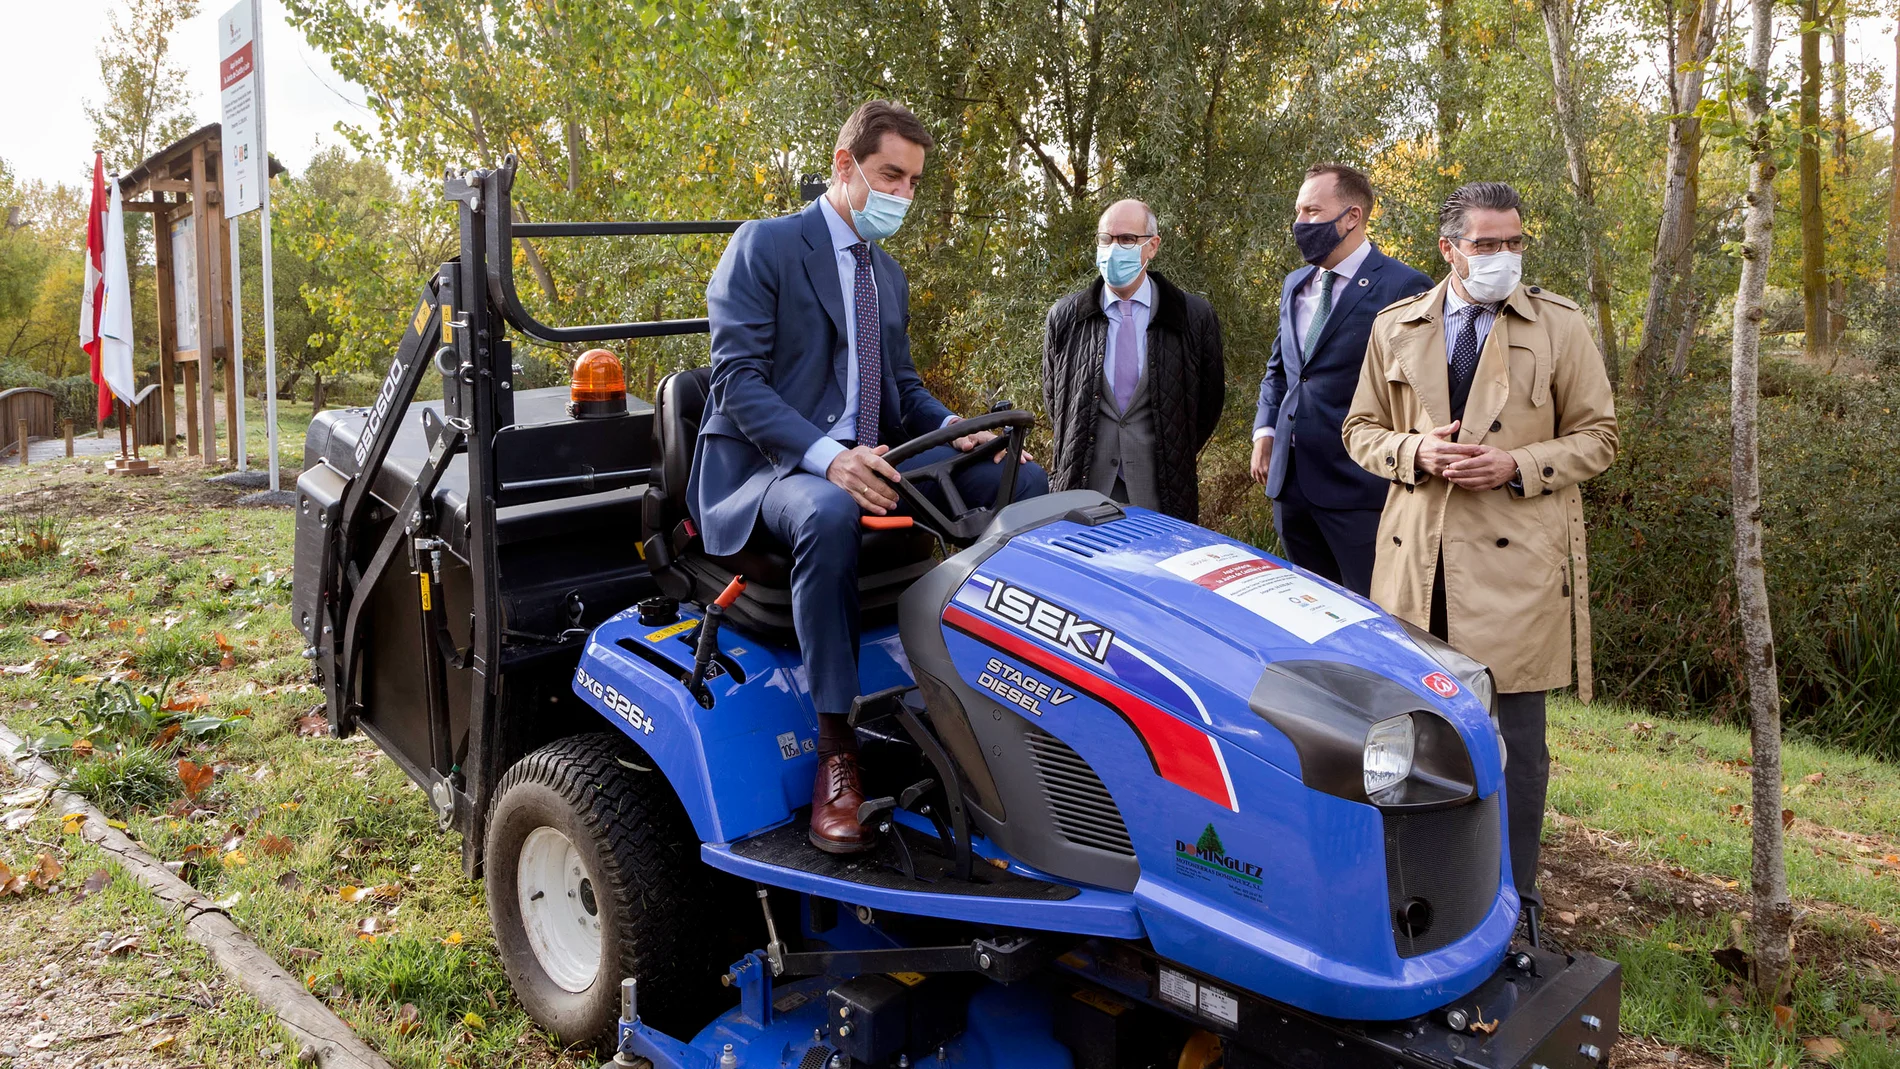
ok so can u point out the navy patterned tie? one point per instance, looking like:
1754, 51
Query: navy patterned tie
870, 353
1464, 359
1320, 314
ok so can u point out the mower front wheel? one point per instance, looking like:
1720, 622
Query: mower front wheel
593, 874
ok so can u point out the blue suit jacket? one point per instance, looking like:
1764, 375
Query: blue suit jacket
778, 361
1310, 398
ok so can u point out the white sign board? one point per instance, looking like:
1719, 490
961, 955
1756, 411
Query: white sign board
185, 284
243, 134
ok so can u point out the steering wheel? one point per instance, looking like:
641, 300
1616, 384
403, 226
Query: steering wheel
963, 524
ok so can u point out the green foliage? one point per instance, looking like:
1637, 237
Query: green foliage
147, 104
1666, 630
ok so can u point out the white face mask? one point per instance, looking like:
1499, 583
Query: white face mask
1490, 279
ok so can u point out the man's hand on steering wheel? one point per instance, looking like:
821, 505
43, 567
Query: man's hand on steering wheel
863, 473
971, 441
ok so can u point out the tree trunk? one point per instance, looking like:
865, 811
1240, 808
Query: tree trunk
1893, 196
1813, 226
1685, 337
316, 394
1670, 293
1557, 27
1837, 77
1768, 870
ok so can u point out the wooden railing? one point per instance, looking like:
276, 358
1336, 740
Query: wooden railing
29, 403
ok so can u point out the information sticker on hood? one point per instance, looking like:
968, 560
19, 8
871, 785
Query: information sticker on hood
1285, 598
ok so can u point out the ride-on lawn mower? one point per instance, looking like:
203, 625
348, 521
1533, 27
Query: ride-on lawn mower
1145, 796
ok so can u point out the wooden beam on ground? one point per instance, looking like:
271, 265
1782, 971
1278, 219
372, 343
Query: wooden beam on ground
325, 1039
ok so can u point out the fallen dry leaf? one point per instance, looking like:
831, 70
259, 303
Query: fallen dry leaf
313, 726
171, 732
194, 776
123, 947
42, 1040
273, 845
11, 883
71, 823
55, 637
474, 1021
452, 939
1817, 777
235, 859
382, 892
82, 747
1878, 1020
187, 703
46, 868
95, 883
367, 928
1784, 1018
1787, 819
290, 881
1824, 1048
163, 1042
408, 1019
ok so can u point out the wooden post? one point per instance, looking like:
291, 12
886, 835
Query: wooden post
67, 427
191, 408
233, 393
210, 319
23, 448
167, 328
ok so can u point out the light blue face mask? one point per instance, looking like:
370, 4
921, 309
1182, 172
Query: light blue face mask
1119, 266
882, 213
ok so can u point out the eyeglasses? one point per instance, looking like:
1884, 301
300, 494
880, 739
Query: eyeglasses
1126, 241
1487, 246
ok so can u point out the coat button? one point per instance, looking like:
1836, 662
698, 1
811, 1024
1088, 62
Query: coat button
1546, 491
1411, 430
1391, 462
1537, 289
1496, 426
831, 419
1548, 473
1502, 542
1396, 541
1302, 378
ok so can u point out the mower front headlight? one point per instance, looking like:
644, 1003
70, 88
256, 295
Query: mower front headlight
1390, 745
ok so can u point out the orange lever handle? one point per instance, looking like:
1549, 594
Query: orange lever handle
731, 593
886, 523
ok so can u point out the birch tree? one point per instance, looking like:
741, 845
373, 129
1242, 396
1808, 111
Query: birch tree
1768, 869
1813, 227
1560, 28
1668, 312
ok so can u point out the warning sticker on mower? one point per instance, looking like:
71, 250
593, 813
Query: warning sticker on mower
1282, 596
1212, 1002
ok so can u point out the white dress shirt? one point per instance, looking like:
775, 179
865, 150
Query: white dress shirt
1455, 320
818, 458
1143, 298
1306, 301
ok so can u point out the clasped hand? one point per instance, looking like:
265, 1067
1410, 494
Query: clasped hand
1471, 467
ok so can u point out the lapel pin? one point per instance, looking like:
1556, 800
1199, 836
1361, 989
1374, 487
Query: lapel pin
1365, 282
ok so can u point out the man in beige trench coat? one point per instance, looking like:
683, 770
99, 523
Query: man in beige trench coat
1485, 402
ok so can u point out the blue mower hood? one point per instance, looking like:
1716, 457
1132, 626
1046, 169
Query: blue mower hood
1301, 791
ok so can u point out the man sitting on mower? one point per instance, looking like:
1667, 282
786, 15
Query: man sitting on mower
812, 382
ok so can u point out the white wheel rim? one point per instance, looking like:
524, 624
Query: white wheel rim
560, 909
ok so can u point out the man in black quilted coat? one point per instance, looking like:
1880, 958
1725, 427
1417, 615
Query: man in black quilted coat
1132, 375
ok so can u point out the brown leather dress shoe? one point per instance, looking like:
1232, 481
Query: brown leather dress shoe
835, 797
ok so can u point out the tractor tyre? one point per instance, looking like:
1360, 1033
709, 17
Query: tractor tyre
593, 874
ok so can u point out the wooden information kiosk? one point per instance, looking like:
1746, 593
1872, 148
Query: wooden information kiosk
179, 186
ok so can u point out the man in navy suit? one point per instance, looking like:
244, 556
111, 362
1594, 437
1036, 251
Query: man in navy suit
1325, 506
812, 382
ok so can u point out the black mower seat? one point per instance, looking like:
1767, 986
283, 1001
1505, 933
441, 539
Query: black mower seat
888, 561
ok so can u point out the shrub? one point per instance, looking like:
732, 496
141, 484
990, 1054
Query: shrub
1666, 628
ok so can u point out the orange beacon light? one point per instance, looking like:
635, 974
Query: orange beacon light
599, 388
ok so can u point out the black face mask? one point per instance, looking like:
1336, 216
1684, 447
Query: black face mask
1318, 240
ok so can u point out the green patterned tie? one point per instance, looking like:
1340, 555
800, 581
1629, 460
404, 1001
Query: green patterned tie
1326, 280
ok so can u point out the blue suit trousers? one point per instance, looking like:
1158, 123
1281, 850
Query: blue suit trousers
819, 521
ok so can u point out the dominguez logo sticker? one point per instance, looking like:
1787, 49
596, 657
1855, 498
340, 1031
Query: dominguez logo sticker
1207, 859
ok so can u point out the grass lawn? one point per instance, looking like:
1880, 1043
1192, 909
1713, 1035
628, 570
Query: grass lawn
331, 859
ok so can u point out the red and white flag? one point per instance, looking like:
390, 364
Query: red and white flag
93, 300
105, 307
115, 319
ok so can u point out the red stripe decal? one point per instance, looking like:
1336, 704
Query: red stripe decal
1181, 753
